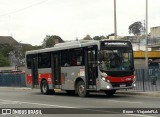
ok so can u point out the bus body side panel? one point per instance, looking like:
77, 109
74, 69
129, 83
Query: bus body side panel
70, 74
28, 78
45, 73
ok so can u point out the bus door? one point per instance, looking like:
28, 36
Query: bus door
34, 70
56, 72
91, 65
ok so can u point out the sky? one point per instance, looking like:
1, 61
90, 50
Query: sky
29, 21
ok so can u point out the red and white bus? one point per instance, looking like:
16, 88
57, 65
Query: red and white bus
81, 67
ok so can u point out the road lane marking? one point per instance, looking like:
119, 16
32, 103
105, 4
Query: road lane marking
8, 102
124, 101
24, 88
21, 88
20, 102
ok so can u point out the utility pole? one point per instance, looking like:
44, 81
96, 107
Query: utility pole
146, 34
115, 21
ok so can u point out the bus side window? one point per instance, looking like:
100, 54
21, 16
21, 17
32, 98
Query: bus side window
77, 57
79, 60
65, 62
74, 61
29, 61
44, 60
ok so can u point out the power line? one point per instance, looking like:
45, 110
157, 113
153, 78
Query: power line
22, 9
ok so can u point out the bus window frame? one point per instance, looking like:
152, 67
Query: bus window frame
29, 63
69, 58
46, 63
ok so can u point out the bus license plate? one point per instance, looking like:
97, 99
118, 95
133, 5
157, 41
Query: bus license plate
122, 85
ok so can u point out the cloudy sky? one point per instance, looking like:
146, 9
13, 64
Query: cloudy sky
29, 21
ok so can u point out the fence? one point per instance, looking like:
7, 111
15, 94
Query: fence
147, 80
10, 79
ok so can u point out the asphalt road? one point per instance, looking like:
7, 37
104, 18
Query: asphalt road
95, 103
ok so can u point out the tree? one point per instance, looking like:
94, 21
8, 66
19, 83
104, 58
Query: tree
3, 60
88, 37
6, 48
50, 41
98, 37
27, 47
136, 28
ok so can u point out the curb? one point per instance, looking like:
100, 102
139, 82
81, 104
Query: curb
154, 94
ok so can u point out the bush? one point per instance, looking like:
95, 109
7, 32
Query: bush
3, 61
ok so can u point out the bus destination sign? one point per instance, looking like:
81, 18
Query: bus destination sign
116, 43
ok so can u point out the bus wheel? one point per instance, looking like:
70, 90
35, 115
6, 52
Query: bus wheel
44, 87
110, 93
81, 89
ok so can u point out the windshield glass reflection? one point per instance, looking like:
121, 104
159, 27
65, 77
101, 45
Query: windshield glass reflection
116, 60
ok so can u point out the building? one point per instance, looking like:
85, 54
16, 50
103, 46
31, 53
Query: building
113, 37
155, 37
155, 31
11, 41
8, 40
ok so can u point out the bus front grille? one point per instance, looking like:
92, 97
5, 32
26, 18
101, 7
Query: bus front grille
118, 84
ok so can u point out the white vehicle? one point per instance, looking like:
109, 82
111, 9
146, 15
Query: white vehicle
81, 67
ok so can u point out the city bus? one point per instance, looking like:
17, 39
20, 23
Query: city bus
81, 67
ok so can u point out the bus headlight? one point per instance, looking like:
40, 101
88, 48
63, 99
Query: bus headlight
103, 74
134, 85
108, 87
105, 79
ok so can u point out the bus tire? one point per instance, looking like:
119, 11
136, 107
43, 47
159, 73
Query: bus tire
81, 89
110, 93
44, 88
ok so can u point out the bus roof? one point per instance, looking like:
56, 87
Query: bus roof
72, 44
66, 45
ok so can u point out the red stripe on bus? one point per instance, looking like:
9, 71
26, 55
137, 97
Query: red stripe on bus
47, 76
28, 79
120, 79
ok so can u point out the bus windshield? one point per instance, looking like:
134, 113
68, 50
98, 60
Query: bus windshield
116, 60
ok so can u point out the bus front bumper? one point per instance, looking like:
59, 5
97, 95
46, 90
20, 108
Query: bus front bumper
103, 85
